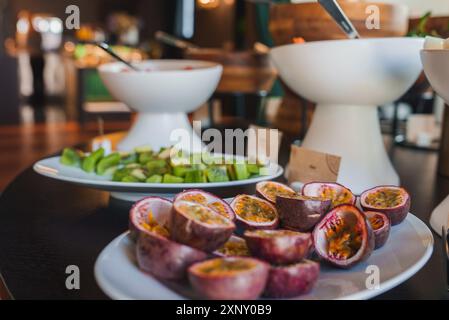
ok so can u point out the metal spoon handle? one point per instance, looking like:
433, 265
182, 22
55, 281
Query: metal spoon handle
107, 48
173, 41
334, 9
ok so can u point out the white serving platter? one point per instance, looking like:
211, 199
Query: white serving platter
51, 168
408, 249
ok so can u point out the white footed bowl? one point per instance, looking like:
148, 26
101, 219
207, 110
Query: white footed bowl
436, 68
162, 94
348, 79
355, 72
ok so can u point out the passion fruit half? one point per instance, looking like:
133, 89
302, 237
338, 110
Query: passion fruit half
344, 237
165, 258
199, 226
209, 200
230, 278
381, 227
269, 190
300, 212
234, 247
151, 214
156, 253
278, 246
292, 280
254, 213
336, 192
393, 201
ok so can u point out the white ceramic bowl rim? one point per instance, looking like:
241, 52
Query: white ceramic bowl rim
198, 66
349, 41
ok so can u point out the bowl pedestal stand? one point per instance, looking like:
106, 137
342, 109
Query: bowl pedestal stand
353, 133
161, 130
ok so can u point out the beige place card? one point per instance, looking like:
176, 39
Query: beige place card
308, 165
264, 143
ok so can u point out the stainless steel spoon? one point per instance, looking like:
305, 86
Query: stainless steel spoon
108, 49
335, 11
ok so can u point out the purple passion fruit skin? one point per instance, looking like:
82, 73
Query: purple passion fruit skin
392, 201
292, 280
199, 226
338, 193
278, 246
269, 190
254, 213
381, 227
344, 237
151, 214
230, 278
209, 200
300, 212
234, 247
165, 259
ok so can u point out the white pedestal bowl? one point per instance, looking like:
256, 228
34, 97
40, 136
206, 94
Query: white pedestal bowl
436, 68
162, 94
348, 79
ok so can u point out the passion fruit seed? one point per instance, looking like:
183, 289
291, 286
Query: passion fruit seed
219, 207
153, 226
376, 222
195, 197
254, 210
343, 241
202, 214
337, 198
272, 190
384, 198
235, 248
220, 266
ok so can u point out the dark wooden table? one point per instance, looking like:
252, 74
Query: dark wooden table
46, 225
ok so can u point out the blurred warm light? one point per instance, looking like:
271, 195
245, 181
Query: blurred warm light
229, 2
10, 46
85, 33
298, 40
208, 4
69, 47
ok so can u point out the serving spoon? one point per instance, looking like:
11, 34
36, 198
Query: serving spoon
337, 13
108, 49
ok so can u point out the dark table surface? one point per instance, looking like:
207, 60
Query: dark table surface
47, 225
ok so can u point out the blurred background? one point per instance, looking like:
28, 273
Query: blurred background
51, 95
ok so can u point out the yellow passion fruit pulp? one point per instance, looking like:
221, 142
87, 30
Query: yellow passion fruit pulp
376, 222
384, 198
344, 238
337, 198
153, 226
235, 248
202, 214
201, 199
220, 266
272, 190
254, 210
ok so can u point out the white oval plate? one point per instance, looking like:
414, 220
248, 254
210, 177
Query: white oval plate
408, 249
51, 168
